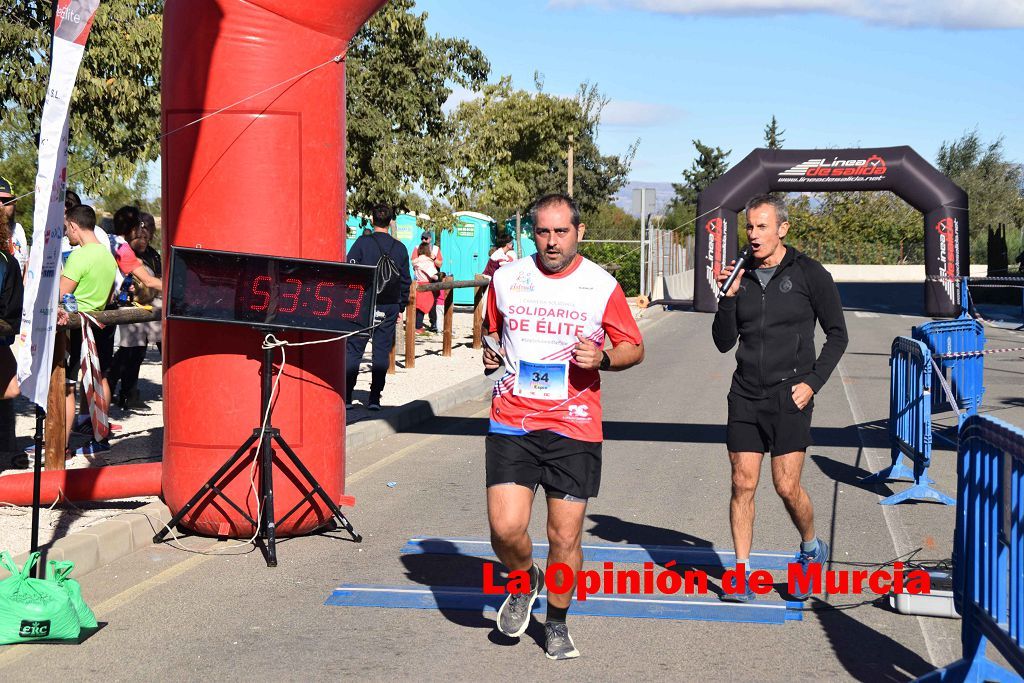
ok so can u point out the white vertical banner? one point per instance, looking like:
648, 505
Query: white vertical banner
42, 281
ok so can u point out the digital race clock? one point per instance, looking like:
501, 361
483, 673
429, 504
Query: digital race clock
269, 291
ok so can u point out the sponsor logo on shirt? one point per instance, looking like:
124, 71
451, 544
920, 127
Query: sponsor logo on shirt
523, 283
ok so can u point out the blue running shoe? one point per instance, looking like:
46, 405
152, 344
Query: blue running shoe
749, 596
93, 447
819, 556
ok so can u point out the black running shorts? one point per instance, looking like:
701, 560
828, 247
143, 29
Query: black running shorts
563, 466
772, 424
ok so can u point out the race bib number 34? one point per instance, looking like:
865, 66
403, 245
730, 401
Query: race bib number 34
543, 380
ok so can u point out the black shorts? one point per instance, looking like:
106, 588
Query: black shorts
104, 349
563, 466
768, 425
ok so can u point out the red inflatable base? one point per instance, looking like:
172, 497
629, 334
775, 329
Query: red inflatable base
94, 483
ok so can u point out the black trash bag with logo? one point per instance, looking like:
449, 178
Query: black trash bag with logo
34, 609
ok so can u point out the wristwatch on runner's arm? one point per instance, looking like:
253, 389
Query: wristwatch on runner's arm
606, 361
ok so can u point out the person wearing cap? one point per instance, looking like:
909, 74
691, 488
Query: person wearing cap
18, 246
435, 253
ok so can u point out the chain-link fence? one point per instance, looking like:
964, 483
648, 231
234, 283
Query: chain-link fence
905, 252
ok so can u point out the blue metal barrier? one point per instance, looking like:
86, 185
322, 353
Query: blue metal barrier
964, 374
910, 422
989, 551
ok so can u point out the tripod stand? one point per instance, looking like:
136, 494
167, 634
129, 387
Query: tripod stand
265, 434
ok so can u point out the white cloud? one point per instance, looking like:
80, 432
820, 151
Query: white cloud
952, 14
639, 114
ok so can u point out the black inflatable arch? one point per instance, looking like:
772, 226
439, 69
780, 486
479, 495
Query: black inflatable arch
898, 169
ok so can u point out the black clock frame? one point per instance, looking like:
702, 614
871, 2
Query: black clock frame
182, 306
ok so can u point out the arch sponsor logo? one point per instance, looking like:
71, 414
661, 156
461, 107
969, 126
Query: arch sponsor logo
715, 229
873, 168
949, 254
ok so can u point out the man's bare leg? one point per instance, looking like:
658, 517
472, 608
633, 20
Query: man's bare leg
786, 472
565, 536
746, 472
508, 512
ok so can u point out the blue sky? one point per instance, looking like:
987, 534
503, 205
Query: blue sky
836, 73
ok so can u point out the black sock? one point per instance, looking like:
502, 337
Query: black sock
556, 615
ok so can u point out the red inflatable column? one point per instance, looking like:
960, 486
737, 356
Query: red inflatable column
266, 176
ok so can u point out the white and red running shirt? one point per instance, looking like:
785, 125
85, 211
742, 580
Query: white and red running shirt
539, 315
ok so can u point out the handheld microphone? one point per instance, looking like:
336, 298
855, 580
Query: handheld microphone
741, 259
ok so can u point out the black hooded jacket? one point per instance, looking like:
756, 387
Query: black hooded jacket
775, 327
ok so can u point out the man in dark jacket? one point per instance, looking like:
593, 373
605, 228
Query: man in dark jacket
772, 309
392, 260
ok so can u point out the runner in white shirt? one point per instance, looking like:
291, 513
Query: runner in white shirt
547, 318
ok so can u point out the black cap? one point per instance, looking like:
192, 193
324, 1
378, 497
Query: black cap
5, 186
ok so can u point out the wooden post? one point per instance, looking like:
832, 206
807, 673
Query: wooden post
571, 158
410, 329
478, 316
55, 436
449, 313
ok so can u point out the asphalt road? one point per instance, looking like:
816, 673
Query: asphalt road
171, 613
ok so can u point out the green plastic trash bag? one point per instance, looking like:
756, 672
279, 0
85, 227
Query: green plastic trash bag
60, 573
34, 609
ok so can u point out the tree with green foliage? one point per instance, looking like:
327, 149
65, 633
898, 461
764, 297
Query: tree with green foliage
709, 166
509, 146
398, 79
993, 184
115, 108
609, 222
773, 135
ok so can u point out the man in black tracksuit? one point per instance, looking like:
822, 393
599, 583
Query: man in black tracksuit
772, 308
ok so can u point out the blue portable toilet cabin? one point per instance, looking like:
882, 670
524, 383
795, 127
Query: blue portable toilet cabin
466, 247
525, 246
407, 230
354, 229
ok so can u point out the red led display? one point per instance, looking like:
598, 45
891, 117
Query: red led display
269, 291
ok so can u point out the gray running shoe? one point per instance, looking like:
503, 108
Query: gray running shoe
559, 643
514, 613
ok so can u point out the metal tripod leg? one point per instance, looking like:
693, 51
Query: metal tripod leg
317, 489
210, 485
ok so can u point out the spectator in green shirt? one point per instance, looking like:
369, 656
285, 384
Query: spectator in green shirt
89, 275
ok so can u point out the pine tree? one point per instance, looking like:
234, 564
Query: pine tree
709, 166
773, 136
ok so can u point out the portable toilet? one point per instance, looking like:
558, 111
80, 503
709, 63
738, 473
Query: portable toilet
408, 232
466, 247
354, 226
525, 246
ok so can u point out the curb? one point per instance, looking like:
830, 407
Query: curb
109, 540
409, 415
98, 545
112, 539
